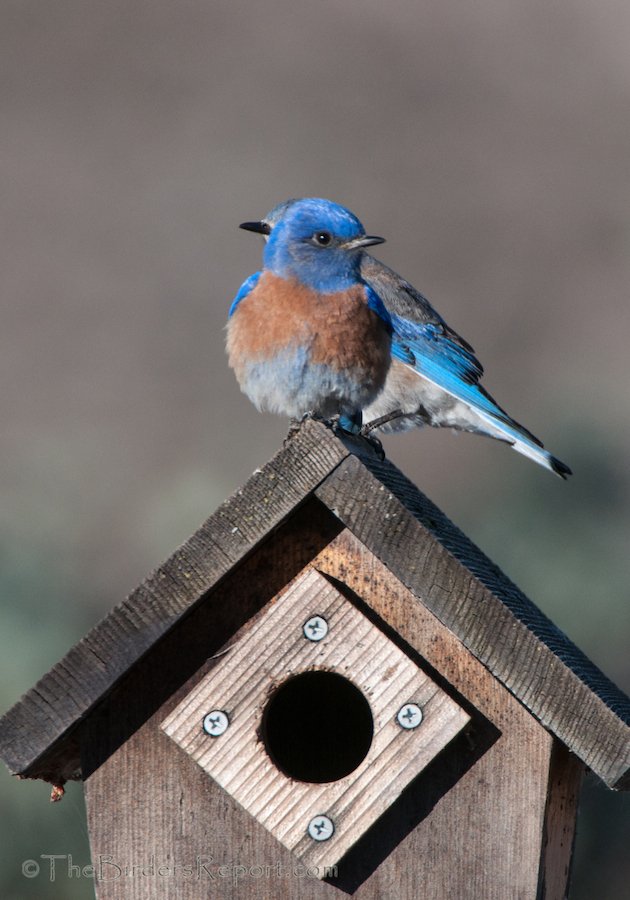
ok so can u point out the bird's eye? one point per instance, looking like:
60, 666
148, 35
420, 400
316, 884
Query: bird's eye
322, 238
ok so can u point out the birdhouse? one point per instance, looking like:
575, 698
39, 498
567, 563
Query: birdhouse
326, 691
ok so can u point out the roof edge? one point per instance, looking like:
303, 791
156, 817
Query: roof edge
35, 727
493, 619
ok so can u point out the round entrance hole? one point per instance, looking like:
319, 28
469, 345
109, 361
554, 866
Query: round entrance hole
317, 727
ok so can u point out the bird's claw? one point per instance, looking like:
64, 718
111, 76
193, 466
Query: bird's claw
369, 427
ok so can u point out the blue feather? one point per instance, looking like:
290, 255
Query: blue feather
376, 305
429, 350
246, 288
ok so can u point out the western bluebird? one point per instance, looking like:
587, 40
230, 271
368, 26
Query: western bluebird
317, 277
307, 334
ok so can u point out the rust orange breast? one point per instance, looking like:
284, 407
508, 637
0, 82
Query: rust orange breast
338, 329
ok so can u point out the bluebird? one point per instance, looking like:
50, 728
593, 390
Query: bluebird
307, 334
432, 376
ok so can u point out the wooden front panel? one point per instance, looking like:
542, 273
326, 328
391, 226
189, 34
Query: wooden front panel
471, 825
367, 668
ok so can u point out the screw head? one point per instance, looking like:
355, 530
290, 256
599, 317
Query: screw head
409, 716
215, 723
315, 629
321, 828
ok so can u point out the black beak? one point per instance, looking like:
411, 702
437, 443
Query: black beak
258, 227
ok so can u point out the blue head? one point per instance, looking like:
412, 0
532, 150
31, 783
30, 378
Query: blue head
315, 241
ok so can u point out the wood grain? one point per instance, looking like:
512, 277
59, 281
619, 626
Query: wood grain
493, 619
276, 650
565, 781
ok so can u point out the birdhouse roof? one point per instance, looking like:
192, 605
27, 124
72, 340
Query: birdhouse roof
440, 566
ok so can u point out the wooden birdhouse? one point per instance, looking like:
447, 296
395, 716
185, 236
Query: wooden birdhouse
326, 691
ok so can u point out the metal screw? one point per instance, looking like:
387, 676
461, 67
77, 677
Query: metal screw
321, 828
215, 723
409, 716
315, 629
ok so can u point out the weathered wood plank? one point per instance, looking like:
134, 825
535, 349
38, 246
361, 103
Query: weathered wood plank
565, 781
499, 625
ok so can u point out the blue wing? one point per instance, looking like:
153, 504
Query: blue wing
402, 299
431, 350
245, 289
375, 303
422, 340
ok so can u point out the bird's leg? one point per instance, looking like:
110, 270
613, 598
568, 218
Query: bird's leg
354, 425
348, 429
382, 420
350, 423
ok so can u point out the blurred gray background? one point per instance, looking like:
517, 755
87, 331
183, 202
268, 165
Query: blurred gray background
489, 142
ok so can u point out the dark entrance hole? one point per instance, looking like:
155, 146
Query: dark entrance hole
317, 727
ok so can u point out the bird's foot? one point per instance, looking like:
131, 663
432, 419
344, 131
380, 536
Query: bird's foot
350, 431
374, 443
345, 427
